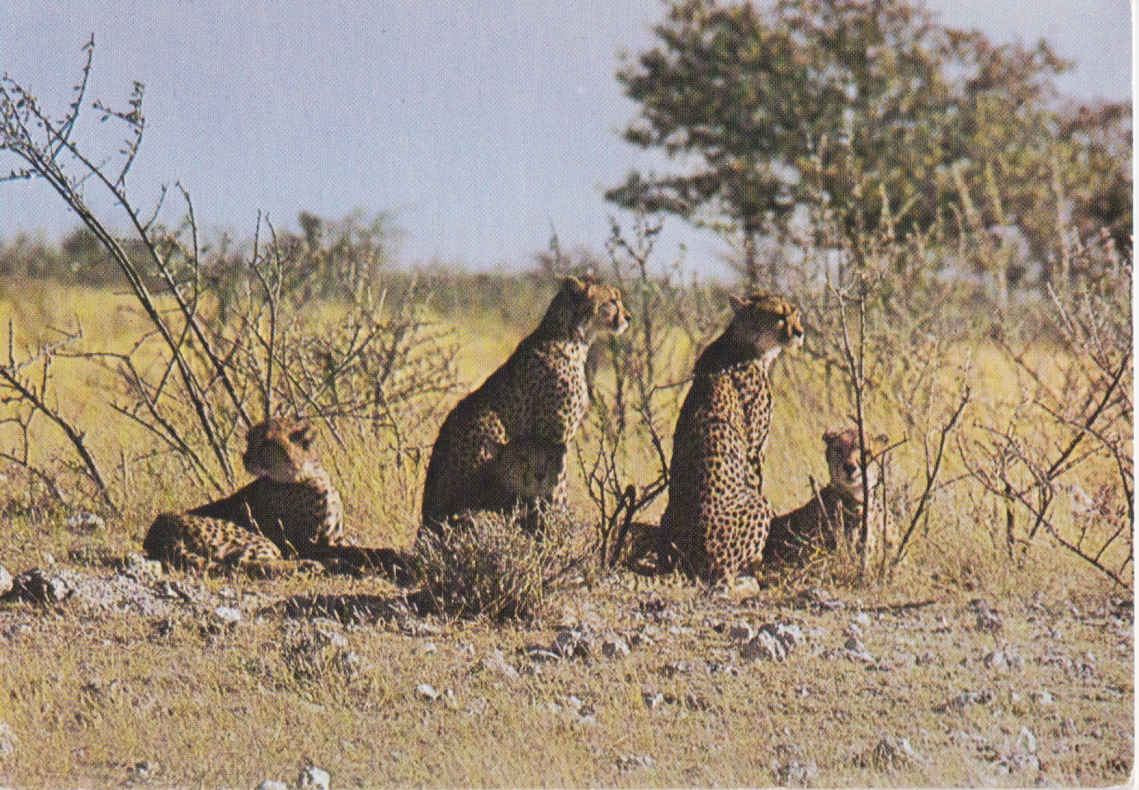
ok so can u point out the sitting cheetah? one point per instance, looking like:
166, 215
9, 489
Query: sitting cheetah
834, 513
290, 510
717, 518
539, 393
524, 475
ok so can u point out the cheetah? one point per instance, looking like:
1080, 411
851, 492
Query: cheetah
291, 510
717, 518
539, 393
523, 477
834, 513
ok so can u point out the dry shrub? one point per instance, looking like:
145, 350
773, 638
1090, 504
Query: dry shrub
483, 564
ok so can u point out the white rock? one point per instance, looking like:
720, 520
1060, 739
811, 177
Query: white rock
272, 784
496, 662
227, 614
427, 691
5, 581
88, 522
613, 646
8, 740
313, 777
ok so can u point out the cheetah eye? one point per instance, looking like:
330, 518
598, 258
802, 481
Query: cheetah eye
299, 436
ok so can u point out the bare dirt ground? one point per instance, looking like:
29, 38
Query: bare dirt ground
117, 673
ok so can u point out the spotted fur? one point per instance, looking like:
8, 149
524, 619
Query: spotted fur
290, 511
717, 518
539, 394
834, 513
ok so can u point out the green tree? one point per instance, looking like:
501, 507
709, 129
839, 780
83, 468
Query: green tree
858, 105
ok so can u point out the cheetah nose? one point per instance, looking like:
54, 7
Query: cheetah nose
850, 469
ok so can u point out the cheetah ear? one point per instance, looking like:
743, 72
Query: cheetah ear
736, 303
830, 435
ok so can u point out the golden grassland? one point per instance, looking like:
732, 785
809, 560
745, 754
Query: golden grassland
90, 698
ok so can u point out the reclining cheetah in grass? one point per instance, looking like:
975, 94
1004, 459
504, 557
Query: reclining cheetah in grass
539, 394
717, 518
290, 511
834, 513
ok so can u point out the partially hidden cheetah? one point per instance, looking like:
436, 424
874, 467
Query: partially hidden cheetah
717, 518
290, 511
538, 394
834, 514
522, 478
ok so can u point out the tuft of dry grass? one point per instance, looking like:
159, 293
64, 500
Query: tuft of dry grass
484, 564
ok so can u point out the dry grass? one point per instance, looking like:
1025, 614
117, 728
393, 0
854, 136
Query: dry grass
91, 693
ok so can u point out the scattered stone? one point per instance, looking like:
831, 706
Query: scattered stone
314, 778
428, 648
854, 650
227, 614
143, 770
965, 698
8, 741
1042, 697
720, 666
272, 784
1018, 761
631, 762
85, 522
774, 642
794, 772
653, 699
496, 662
987, 618
891, 754
862, 619
37, 586
478, 707
995, 660
573, 643
675, 668
427, 691
820, 599
5, 581
741, 632
139, 568
614, 646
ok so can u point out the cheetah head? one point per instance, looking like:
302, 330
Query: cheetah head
279, 449
845, 460
768, 322
585, 308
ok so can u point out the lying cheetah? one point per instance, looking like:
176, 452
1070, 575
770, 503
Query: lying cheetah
834, 513
291, 510
717, 518
539, 393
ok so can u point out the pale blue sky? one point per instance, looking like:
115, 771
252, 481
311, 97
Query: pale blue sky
478, 123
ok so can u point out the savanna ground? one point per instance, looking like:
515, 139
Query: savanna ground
987, 656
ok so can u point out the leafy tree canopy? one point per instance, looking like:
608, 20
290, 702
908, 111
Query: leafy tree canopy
861, 105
